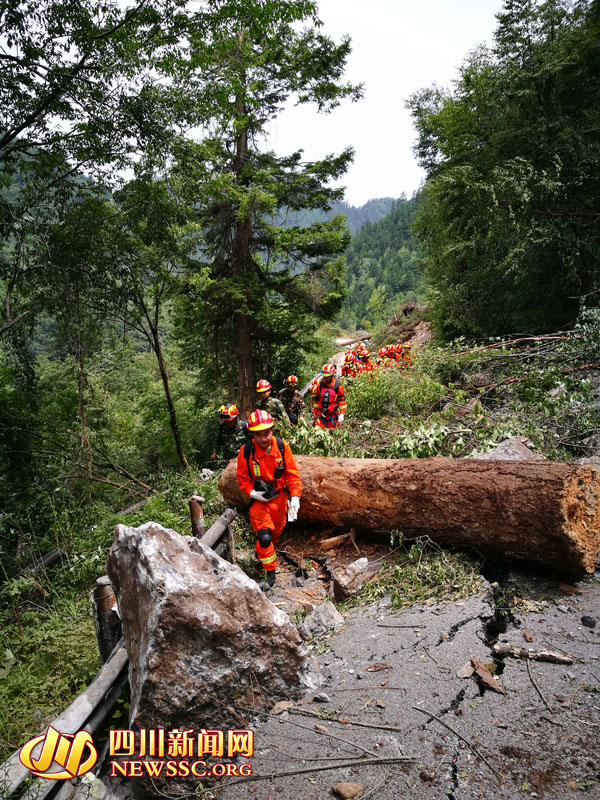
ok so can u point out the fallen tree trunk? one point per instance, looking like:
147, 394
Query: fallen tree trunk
545, 513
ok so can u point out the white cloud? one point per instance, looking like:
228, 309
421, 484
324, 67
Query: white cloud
399, 46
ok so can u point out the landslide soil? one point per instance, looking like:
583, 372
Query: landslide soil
396, 685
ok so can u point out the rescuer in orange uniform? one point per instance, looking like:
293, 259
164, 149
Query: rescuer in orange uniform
349, 367
330, 402
265, 467
365, 357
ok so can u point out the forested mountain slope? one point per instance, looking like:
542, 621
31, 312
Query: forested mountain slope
356, 216
383, 266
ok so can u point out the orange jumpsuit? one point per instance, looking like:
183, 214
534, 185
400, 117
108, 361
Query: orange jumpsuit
326, 416
271, 515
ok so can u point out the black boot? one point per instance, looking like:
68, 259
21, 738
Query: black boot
268, 584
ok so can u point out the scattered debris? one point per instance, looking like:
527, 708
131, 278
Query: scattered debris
325, 617
535, 655
461, 737
486, 677
281, 706
349, 580
336, 541
377, 666
348, 790
537, 688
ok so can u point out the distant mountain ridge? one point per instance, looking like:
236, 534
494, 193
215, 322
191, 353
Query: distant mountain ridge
372, 211
383, 266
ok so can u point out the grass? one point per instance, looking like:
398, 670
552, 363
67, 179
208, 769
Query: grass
51, 655
422, 573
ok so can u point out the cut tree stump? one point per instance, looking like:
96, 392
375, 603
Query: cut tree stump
544, 513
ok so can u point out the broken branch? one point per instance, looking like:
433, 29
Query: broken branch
367, 762
460, 736
535, 655
537, 688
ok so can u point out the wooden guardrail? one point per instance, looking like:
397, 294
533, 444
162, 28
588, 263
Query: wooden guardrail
91, 708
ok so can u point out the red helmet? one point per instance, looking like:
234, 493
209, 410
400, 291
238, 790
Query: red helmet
350, 358
329, 369
366, 353
263, 385
260, 420
383, 351
229, 412
291, 380
407, 345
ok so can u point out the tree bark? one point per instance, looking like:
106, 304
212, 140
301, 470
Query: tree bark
153, 336
544, 513
170, 405
242, 254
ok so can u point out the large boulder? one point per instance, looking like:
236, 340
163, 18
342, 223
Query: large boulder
202, 638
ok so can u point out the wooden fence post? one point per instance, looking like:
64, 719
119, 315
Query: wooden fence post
196, 515
107, 622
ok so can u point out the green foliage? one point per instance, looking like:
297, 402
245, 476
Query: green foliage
388, 392
513, 185
384, 267
308, 440
55, 657
422, 573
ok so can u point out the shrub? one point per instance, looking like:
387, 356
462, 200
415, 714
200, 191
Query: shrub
392, 392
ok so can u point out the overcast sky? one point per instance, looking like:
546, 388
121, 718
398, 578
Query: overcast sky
398, 46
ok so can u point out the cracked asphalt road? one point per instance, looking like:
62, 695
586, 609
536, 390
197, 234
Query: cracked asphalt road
382, 685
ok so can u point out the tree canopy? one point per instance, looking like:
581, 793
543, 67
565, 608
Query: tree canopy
513, 189
259, 286
383, 266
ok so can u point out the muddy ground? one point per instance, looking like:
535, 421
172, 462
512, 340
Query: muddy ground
395, 685
397, 689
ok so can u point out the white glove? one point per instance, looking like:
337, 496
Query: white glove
293, 508
259, 496
340, 418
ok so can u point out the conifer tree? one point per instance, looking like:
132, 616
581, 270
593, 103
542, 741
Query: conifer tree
258, 285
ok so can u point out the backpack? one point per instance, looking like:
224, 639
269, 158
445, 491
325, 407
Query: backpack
249, 449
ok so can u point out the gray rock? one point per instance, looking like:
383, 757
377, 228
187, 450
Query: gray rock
348, 581
592, 445
589, 622
200, 634
591, 461
322, 698
325, 617
511, 449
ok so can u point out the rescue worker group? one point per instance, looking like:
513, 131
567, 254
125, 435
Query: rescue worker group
266, 469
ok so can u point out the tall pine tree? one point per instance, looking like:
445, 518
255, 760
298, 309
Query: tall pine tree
257, 286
